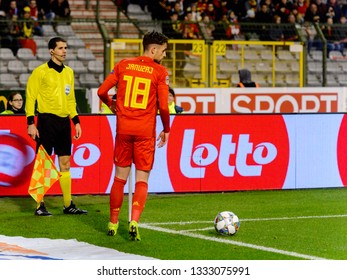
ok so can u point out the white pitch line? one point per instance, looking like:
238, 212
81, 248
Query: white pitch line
254, 220
237, 243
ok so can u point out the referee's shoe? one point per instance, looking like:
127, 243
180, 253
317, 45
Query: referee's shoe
72, 209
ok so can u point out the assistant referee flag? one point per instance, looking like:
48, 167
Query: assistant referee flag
44, 175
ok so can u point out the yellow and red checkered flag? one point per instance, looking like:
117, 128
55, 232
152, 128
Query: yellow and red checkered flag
44, 175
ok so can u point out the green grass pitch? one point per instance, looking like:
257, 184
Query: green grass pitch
275, 225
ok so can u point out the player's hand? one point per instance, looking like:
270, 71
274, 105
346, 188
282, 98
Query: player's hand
33, 132
162, 138
113, 106
78, 130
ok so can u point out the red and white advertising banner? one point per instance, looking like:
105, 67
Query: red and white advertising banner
262, 100
253, 100
207, 153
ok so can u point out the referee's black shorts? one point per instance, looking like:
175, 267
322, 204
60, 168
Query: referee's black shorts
55, 134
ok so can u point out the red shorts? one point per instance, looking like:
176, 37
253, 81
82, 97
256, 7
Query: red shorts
134, 149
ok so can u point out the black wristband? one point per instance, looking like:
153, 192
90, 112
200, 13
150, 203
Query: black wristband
30, 120
75, 120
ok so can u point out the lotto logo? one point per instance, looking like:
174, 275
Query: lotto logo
238, 152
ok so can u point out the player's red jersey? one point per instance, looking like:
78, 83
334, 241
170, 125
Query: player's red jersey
142, 87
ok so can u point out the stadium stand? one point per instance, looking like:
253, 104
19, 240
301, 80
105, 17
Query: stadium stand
8, 81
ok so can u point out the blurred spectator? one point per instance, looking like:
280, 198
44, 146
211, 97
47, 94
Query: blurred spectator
246, 79
26, 31
211, 12
333, 36
178, 8
301, 6
173, 108
122, 4
45, 10
276, 32
202, 6
61, 9
322, 9
207, 27
312, 14
7, 38
290, 33
173, 28
310, 33
196, 16
34, 14
232, 29
264, 15
190, 27
14, 104
238, 7
13, 11
161, 10
334, 10
283, 9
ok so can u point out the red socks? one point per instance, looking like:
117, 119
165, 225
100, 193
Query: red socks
139, 200
116, 199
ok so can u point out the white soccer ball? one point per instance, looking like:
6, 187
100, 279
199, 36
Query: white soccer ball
226, 223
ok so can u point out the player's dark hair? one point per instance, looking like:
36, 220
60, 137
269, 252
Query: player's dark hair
53, 42
154, 37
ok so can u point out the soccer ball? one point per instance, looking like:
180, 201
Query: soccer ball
226, 223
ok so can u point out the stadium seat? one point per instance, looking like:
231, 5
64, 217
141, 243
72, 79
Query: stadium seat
314, 81
43, 54
331, 80
292, 79
260, 78
75, 43
25, 54
251, 54
316, 55
314, 67
335, 55
266, 55
88, 80
226, 67
190, 69
40, 42
23, 79
342, 79
32, 64
16, 67
95, 66
8, 81
3, 67
77, 66
284, 55
294, 66
6, 54
233, 55
333, 67
101, 78
263, 66
85, 54
48, 30
343, 65
282, 66
65, 30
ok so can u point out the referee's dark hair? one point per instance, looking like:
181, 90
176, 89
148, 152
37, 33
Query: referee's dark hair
53, 42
